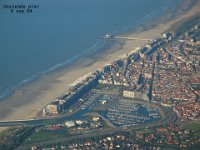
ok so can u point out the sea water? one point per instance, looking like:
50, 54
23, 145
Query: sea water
58, 33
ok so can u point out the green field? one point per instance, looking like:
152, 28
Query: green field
45, 135
194, 126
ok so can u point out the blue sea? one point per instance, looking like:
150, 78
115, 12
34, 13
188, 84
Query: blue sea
60, 32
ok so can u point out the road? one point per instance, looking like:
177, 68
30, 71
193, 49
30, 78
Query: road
40, 121
166, 112
169, 117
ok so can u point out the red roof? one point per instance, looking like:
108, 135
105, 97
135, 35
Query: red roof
162, 130
195, 80
198, 92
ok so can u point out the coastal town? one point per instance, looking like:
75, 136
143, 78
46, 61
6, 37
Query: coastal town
165, 71
146, 99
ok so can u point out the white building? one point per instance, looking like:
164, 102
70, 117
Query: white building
52, 109
96, 118
137, 95
69, 124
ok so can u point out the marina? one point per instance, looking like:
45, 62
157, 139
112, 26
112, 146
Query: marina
130, 112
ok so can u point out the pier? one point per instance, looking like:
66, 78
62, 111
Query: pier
131, 38
107, 36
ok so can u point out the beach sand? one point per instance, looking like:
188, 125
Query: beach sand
27, 101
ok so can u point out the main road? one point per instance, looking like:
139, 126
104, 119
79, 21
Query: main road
170, 117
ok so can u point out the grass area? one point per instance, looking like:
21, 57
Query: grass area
196, 147
169, 147
194, 126
145, 130
44, 135
8, 134
14, 137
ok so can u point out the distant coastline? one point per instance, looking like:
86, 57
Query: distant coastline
33, 97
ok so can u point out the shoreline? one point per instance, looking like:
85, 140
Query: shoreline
27, 101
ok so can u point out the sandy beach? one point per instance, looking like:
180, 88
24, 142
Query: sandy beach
27, 101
